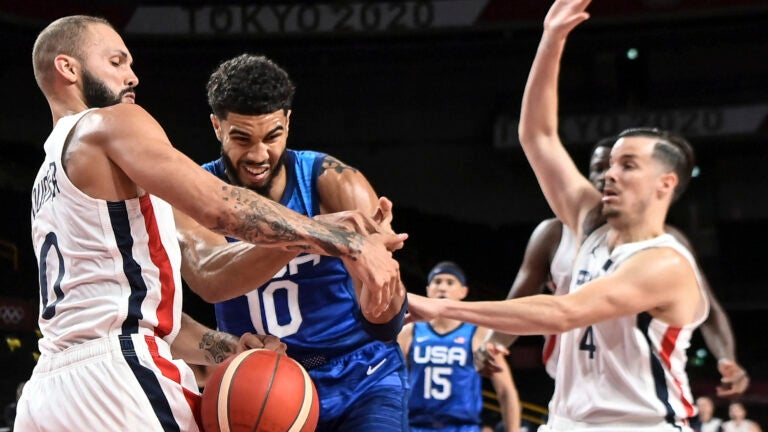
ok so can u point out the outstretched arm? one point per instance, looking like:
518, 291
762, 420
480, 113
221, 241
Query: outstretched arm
570, 195
217, 270
534, 271
639, 284
531, 279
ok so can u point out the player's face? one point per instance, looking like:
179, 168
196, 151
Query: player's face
107, 77
632, 178
598, 165
706, 408
446, 286
736, 411
253, 148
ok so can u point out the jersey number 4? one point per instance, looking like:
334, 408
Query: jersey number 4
588, 342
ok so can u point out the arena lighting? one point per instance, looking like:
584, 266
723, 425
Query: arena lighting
696, 171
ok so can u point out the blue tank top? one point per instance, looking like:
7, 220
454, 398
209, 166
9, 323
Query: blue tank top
311, 303
445, 388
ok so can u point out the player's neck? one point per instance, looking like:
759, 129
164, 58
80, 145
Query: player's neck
444, 325
627, 232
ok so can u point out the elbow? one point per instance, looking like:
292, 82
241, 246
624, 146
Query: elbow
206, 291
563, 319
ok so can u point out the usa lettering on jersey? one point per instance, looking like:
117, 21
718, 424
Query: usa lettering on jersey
440, 355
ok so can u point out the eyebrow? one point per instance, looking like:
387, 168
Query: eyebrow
236, 131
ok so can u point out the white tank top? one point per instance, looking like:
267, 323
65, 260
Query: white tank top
106, 268
560, 274
629, 370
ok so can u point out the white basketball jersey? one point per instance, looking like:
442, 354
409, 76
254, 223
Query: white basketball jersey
106, 268
560, 274
629, 370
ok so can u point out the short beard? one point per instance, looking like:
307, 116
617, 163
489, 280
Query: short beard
97, 94
235, 180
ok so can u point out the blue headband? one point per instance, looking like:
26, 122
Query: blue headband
447, 267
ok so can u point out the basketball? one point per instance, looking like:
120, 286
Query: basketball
259, 390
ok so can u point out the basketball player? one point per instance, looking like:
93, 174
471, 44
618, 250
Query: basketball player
446, 389
311, 302
636, 297
106, 242
548, 263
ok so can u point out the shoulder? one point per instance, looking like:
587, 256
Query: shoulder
405, 337
118, 120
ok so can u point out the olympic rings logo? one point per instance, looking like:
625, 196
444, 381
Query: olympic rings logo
11, 314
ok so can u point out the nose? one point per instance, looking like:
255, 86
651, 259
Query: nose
132, 80
258, 153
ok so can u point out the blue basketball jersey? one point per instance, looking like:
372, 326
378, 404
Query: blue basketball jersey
445, 388
311, 303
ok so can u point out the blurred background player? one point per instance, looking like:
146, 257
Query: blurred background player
738, 420
446, 389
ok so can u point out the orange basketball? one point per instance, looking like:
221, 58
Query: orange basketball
259, 390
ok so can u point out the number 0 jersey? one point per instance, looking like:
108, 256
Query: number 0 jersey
311, 303
445, 387
106, 267
628, 370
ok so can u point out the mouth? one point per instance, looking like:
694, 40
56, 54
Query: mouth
609, 195
255, 174
129, 98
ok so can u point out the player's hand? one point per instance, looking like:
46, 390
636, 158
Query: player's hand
487, 357
252, 340
379, 223
422, 308
378, 272
735, 380
564, 15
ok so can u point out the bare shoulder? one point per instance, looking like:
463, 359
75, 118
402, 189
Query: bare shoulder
660, 262
550, 229
333, 166
405, 337
118, 121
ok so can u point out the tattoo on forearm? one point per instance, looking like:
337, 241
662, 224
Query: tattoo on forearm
331, 163
218, 346
261, 221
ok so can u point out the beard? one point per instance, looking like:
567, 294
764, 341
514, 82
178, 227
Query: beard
98, 95
264, 190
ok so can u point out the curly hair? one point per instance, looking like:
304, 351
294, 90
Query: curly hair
250, 85
672, 150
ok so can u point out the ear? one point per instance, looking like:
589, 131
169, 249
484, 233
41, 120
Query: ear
216, 126
667, 184
67, 67
288, 120
464, 292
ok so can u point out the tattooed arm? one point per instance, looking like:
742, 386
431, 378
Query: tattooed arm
127, 137
197, 344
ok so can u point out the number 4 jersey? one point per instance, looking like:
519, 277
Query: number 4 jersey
629, 370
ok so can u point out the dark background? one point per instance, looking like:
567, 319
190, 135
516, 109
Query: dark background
422, 112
